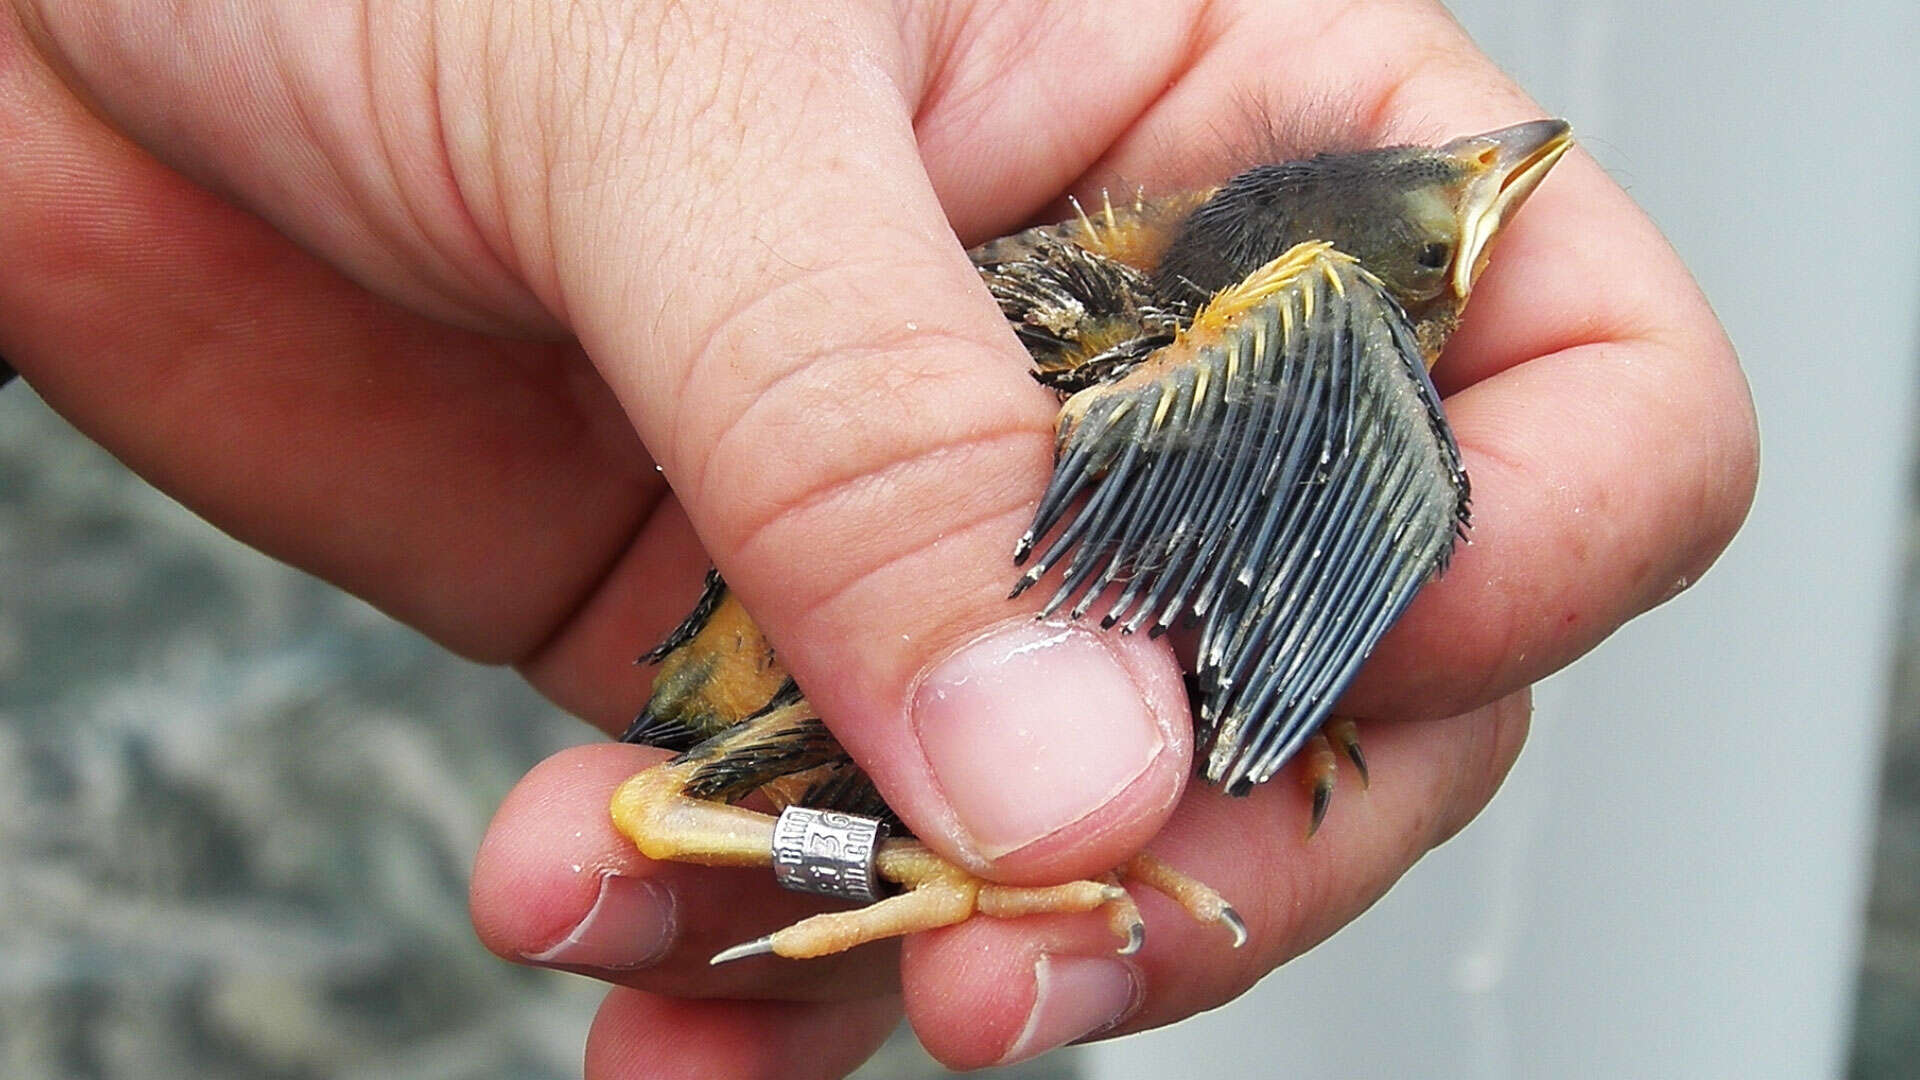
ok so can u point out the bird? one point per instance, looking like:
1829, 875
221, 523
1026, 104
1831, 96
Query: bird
1249, 444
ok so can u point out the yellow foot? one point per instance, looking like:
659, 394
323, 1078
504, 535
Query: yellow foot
938, 893
1201, 902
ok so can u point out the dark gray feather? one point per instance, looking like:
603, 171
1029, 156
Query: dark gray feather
1295, 490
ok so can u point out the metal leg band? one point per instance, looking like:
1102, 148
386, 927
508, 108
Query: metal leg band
828, 853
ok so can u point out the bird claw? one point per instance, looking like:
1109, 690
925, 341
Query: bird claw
1231, 919
1322, 798
1322, 766
760, 946
1347, 734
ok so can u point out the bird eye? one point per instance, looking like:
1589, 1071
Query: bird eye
1435, 256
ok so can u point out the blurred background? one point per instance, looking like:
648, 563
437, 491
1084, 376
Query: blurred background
236, 807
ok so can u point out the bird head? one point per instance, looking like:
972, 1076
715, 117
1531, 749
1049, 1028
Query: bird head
1419, 218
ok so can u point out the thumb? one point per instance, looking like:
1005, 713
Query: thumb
776, 296
725, 203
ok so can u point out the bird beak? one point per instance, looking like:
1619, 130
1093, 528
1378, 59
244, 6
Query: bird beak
1503, 168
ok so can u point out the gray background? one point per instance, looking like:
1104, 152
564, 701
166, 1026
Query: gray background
236, 808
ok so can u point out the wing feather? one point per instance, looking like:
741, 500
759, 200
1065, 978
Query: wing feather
1280, 473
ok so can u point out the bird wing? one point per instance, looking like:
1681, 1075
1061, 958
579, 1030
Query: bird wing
1281, 473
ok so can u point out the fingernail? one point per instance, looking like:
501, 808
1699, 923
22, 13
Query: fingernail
1032, 728
630, 925
1074, 996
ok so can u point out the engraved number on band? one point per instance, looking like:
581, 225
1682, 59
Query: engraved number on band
828, 853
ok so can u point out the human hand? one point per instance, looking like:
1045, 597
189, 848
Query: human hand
747, 219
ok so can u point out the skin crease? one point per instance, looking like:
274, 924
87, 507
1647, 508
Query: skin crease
320, 274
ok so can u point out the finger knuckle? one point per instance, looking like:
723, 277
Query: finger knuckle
852, 447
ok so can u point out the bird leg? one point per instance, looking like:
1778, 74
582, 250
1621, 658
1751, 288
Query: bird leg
676, 811
714, 669
680, 809
1198, 898
1321, 768
941, 894
652, 810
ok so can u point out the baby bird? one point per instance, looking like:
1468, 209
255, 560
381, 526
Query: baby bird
1249, 444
